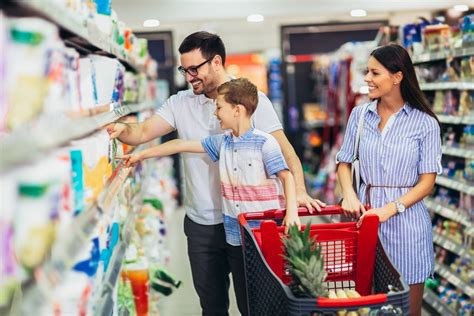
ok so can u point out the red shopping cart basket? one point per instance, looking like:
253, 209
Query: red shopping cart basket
354, 257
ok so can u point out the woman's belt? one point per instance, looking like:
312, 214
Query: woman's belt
370, 186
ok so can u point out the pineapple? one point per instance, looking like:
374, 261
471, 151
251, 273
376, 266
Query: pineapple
305, 263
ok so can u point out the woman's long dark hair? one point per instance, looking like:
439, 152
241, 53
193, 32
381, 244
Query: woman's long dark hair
395, 58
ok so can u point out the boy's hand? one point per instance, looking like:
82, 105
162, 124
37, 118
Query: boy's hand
291, 218
115, 129
130, 160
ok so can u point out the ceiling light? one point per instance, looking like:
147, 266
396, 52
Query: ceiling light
461, 8
255, 18
358, 13
151, 23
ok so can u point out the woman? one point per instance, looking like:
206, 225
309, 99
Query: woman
400, 154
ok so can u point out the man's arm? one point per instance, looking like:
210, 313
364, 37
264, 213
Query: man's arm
297, 170
136, 134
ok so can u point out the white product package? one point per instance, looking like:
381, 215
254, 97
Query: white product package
86, 83
108, 75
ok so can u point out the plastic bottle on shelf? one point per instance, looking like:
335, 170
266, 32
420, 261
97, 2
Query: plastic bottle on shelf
138, 275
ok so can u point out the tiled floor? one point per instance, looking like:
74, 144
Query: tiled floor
183, 301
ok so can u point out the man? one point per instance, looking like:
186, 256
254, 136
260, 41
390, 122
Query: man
191, 113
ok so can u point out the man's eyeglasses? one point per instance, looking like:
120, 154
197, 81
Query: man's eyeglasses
193, 71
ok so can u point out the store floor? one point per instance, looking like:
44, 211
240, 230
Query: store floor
184, 301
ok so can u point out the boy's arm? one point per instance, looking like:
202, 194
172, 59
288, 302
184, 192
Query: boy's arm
173, 147
166, 149
291, 217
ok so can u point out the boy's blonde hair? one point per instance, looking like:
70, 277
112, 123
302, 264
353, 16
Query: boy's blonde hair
240, 91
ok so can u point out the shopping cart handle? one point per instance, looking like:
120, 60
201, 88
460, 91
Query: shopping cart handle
351, 302
279, 214
327, 210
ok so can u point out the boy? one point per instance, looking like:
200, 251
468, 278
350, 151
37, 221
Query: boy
249, 160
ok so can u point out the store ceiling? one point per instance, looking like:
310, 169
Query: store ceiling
175, 11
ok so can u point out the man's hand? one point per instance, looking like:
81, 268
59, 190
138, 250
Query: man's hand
115, 129
131, 159
311, 204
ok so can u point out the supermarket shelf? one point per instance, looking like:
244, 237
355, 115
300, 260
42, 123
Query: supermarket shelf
459, 151
432, 300
433, 56
105, 301
447, 86
456, 184
71, 242
448, 212
469, 231
26, 144
319, 123
454, 279
450, 245
85, 31
451, 119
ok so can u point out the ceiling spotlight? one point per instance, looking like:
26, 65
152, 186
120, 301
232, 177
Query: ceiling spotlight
358, 13
461, 8
151, 23
255, 18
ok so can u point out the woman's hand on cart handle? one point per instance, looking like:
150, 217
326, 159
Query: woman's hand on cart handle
384, 213
352, 207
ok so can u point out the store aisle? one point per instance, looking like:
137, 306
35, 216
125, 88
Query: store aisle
183, 301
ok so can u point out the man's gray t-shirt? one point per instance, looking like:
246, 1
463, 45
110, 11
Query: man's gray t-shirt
193, 118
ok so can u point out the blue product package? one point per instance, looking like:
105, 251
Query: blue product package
90, 265
104, 6
114, 236
77, 180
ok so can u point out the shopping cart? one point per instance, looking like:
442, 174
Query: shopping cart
354, 259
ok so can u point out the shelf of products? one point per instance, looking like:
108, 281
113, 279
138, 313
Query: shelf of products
447, 86
105, 302
52, 132
458, 151
456, 184
67, 214
450, 73
450, 245
319, 123
90, 36
447, 212
434, 56
451, 119
454, 279
70, 242
434, 302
